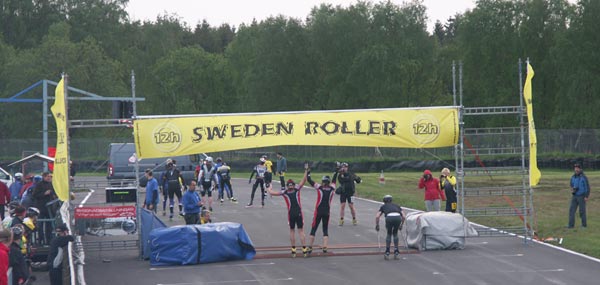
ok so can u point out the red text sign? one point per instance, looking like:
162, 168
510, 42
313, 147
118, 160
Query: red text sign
104, 212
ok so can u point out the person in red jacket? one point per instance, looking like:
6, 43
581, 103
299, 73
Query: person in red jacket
4, 198
433, 192
5, 240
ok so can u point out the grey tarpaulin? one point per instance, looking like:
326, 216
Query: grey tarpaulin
437, 230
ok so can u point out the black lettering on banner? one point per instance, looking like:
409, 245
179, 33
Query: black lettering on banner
267, 129
358, 132
389, 128
281, 128
344, 129
251, 130
374, 127
197, 134
216, 132
236, 131
310, 128
330, 127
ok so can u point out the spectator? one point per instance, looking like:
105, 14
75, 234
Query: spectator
20, 271
4, 198
43, 193
152, 195
191, 205
580, 190
281, 169
55, 257
433, 192
448, 184
15, 188
5, 241
27, 196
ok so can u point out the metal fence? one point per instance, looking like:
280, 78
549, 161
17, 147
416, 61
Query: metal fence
564, 142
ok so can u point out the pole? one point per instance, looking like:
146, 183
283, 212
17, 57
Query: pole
138, 214
45, 121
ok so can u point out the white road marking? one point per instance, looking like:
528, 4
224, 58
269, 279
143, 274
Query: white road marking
193, 267
86, 198
232, 281
497, 271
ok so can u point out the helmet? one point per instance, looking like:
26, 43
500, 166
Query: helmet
344, 164
326, 179
37, 178
290, 182
387, 199
264, 156
33, 211
209, 159
219, 159
262, 159
18, 175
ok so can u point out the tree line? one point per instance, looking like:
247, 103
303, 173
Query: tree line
366, 55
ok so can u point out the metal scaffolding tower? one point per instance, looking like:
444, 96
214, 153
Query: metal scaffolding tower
504, 202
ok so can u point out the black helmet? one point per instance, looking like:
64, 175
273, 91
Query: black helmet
33, 211
326, 179
387, 199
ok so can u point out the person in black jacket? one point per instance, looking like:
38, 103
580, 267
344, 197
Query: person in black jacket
346, 181
55, 257
394, 218
16, 260
43, 193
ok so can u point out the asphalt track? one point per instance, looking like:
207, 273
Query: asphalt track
354, 255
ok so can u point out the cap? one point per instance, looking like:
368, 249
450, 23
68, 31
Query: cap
427, 171
62, 228
18, 175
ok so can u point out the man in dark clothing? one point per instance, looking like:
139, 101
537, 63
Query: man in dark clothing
55, 257
42, 194
346, 180
325, 192
393, 222
580, 190
174, 182
20, 272
281, 169
260, 170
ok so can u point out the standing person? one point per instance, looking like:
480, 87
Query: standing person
4, 198
295, 219
223, 172
27, 199
192, 205
346, 180
325, 193
394, 219
580, 190
260, 169
207, 178
448, 184
15, 188
433, 192
281, 169
20, 271
269, 173
152, 195
42, 194
5, 242
174, 181
55, 256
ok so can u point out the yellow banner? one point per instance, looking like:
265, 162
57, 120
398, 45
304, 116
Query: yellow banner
534, 172
406, 128
60, 179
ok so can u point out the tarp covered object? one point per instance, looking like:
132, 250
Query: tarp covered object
194, 244
149, 222
437, 230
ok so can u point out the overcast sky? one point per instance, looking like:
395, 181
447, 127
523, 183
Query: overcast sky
235, 12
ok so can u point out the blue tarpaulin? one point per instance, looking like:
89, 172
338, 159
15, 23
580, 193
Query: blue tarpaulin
149, 222
194, 244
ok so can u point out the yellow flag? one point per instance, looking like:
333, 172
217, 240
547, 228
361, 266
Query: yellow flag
60, 181
534, 172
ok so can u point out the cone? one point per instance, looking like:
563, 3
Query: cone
381, 178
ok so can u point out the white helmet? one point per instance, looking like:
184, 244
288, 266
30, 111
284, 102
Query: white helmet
209, 159
18, 175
